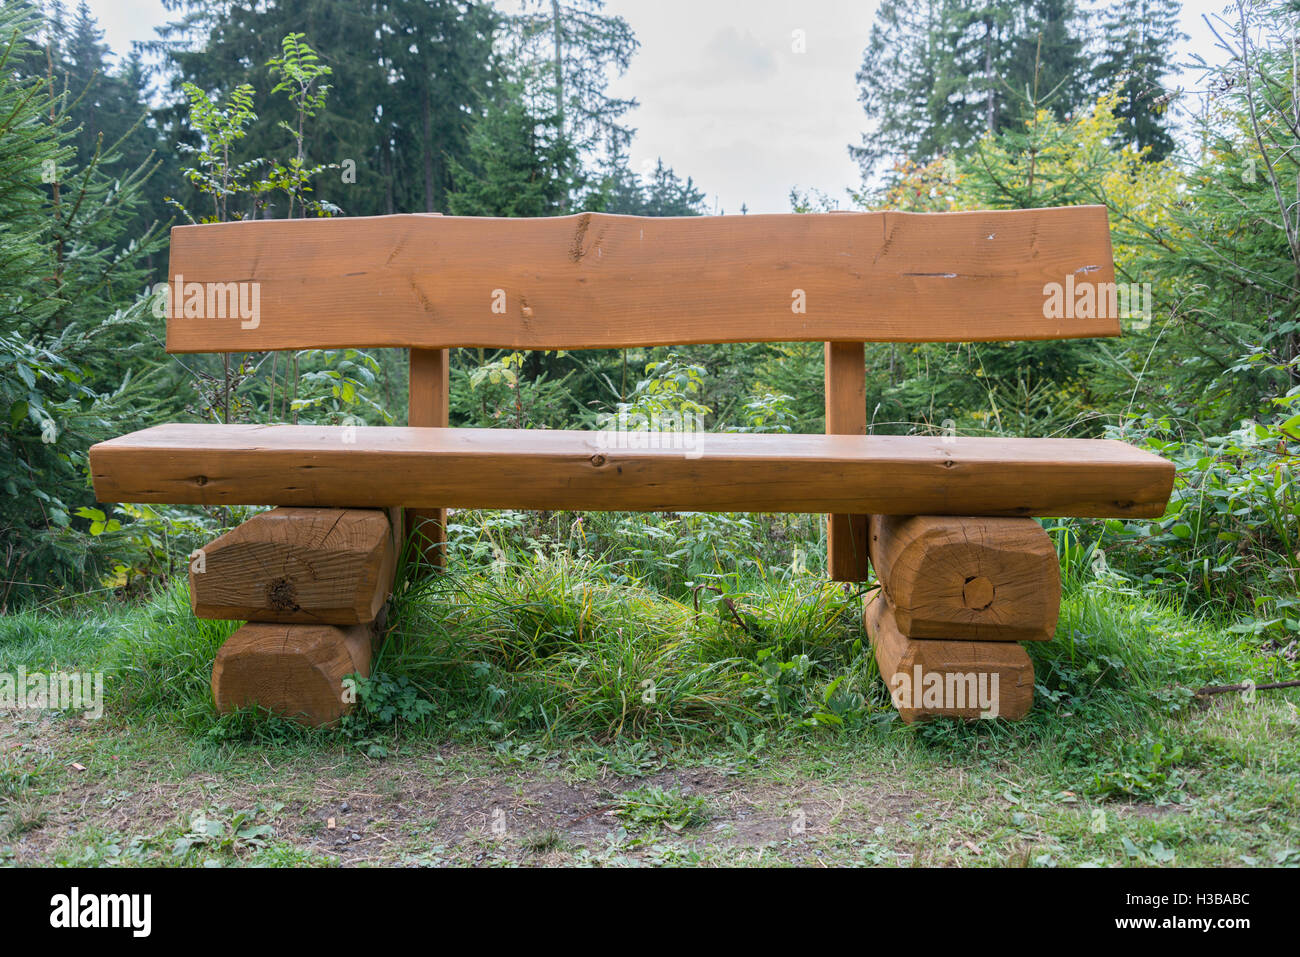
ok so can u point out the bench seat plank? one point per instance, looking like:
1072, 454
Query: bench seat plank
540, 469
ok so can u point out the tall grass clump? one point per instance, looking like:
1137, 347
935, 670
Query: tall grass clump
161, 664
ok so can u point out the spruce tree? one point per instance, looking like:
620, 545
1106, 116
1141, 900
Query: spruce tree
569, 49
71, 313
897, 83
661, 193
518, 163
1139, 37
408, 78
108, 109
938, 74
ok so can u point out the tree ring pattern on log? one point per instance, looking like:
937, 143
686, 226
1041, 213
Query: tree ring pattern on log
976, 578
299, 565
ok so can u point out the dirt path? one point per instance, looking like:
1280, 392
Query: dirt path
74, 788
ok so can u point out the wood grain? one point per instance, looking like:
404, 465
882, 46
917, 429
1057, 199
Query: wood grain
988, 579
542, 469
295, 671
961, 665
846, 414
318, 565
601, 281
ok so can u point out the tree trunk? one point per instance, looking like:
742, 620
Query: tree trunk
429, 205
556, 30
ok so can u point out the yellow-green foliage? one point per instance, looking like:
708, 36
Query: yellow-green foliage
1052, 162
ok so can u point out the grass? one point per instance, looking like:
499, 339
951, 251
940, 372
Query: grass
609, 719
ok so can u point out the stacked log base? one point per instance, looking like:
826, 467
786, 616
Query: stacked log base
983, 579
310, 565
956, 596
296, 671
929, 678
311, 582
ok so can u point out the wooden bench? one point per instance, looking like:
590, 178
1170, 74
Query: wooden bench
965, 571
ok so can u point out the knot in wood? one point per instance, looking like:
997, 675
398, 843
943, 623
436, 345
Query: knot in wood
977, 593
282, 595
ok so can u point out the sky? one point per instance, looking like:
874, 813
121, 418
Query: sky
749, 97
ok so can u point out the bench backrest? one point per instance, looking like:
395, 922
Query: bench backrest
602, 281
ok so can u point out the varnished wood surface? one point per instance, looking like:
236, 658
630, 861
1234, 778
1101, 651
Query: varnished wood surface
542, 469
990, 579
602, 281
956, 662
846, 414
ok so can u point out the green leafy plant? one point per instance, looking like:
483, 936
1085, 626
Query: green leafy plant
226, 832
652, 806
300, 72
1146, 769
220, 125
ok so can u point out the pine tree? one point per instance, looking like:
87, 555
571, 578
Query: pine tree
408, 78
981, 36
1139, 37
570, 48
661, 193
70, 305
518, 163
1047, 64
668, 195
86, 72
442, 57
938, 74
109, 110
897, 83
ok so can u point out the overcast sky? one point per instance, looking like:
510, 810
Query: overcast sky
724, 96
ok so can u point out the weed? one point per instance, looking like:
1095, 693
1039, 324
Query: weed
652, 806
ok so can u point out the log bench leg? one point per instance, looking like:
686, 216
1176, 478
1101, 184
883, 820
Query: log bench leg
956, 595
962, 679
311, 583
296, 671
983, 579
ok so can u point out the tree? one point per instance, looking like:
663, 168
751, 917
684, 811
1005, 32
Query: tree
567, 51
1136, 56
896, 84
1232, 254
938, 74
71, 313
440, 56
981, 36
108, 109
662, 193
1047, 64
409, 78
518, 163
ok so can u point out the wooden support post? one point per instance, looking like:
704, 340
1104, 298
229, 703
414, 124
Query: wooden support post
984, 579
310, 565
846, 414
296, 671
429, 393
962, 679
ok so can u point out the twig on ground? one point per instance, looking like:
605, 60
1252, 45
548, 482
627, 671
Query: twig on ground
1227, 689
